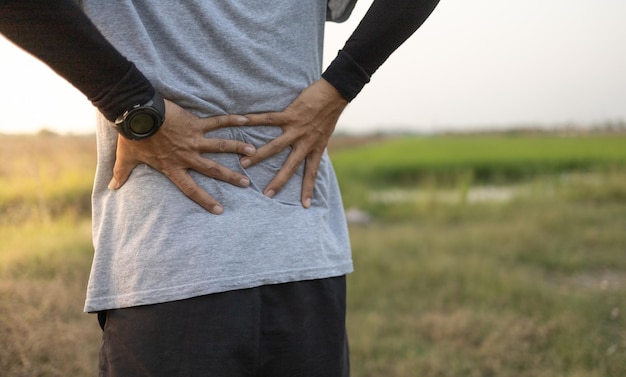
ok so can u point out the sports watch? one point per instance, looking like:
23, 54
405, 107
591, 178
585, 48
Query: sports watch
142, 121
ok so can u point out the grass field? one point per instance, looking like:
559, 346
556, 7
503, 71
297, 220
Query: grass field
495, 158
530, 285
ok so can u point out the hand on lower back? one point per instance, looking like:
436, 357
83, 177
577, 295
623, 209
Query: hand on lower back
307, 124
177, 147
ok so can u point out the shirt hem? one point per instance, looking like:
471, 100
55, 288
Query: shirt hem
158, 296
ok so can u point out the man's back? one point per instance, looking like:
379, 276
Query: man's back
152, 243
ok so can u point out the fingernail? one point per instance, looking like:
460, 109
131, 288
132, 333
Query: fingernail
246, 162
270, 193
307, 203
218, 210
242, 120
249, 150
113, 184
244, 182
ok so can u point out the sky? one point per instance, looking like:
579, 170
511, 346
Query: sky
479, 64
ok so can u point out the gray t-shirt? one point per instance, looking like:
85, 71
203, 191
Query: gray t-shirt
153, 244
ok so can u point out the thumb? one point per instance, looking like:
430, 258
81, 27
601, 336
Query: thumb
121, 172
122, 169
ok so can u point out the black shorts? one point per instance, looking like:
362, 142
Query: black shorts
293, 329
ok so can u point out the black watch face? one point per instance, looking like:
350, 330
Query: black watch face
142, 123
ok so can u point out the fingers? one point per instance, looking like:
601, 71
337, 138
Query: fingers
289, 168
226, 146
193, 191
212, 145
221, 121
266, 119
275, 146
285, 173
268, 150
185, 183
311, 168
214, 170
176, 170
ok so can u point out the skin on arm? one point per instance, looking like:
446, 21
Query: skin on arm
307, 124
177, 147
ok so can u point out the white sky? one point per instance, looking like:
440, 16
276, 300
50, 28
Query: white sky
474, 64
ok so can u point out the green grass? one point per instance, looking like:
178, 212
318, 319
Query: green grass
478, 159
487, 158
531, 286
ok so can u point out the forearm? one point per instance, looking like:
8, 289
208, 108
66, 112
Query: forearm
386, 25
58, 33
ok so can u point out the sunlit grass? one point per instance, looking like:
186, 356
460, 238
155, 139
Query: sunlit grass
45, 176
45, 249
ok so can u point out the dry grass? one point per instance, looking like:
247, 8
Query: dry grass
45, 253
43, 275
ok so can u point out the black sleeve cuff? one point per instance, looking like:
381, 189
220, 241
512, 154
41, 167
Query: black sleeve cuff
346, 75
132, 89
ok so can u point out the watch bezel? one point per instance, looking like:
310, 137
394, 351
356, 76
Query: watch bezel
155, 108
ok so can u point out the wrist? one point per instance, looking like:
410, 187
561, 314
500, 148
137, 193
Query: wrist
333, 93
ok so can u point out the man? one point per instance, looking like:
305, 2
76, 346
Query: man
258, 290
